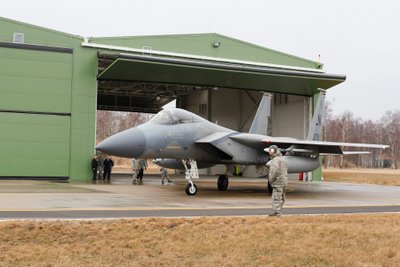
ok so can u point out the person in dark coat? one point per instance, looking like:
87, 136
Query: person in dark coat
142, 167
108, 164
95, 165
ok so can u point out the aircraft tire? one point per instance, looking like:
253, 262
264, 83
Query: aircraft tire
223, 182
191, 190
270, 188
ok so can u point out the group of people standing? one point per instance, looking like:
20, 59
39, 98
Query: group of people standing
101, 168
138, 167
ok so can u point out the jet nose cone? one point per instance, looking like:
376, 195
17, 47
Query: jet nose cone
128, 144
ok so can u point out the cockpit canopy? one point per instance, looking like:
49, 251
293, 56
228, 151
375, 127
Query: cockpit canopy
175, 116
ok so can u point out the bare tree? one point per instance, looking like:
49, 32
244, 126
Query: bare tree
391, 134
347, 128
112, 122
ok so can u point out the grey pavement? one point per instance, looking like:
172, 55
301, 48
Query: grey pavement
245, 196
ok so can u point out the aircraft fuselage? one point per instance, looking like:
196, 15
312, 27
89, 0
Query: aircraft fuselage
184, 140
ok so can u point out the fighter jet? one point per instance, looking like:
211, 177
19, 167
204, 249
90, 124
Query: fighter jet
185, 139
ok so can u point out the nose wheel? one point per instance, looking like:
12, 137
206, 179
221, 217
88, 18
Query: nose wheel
191, 189
223, 182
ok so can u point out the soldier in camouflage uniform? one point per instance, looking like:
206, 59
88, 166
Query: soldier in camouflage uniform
164, 175
277, 178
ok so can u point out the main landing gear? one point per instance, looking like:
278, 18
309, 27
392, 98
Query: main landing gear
191, 172
223, 182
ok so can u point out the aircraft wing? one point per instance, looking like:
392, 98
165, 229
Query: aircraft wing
322, 146
212, 138
295, 141
307, 145
210, 143
252, 140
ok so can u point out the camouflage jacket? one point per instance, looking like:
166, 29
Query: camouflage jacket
278, 172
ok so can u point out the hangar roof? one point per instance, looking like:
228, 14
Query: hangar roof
149, 68
37, 35
210, 45
156, 69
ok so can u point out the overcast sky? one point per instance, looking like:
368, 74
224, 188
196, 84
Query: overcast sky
360, 39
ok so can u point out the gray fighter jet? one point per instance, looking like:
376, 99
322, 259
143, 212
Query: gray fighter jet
180, 139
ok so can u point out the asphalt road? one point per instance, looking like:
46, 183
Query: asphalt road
245, 197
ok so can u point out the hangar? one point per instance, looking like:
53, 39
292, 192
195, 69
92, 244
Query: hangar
52, 83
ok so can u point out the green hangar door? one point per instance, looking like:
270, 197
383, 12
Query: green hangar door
35, 111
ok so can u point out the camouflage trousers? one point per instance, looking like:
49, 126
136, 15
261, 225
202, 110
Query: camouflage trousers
278, 198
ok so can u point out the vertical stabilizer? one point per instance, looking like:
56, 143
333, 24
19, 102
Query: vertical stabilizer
260, 122
315, 129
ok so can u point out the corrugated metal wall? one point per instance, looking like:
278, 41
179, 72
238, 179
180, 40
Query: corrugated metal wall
35, 98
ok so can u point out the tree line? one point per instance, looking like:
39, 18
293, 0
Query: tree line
347, 127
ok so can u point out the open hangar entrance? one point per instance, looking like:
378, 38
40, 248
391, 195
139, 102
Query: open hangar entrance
224, 91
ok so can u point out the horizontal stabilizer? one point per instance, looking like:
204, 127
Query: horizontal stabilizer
356, 152
347, 153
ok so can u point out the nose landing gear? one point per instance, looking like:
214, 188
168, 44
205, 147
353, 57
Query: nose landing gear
191, 172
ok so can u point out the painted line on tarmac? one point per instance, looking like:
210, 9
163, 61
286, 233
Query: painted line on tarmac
193, 208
